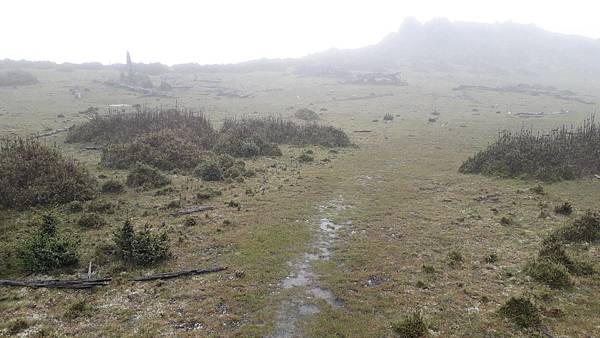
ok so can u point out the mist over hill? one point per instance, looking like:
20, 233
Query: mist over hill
492, 48
438, 45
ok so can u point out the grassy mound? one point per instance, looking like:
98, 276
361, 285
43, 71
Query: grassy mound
563, 154
17, 78
410, 327
34, 174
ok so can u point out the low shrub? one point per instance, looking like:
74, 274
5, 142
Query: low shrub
306, 114
413, 326
146, 177
388, 117
104, 207
91, 220
584, 229
555, 253
47, 249
522, 312
164, 149
207, 193
79, 308
491, 258
17, 78
125, 127
209, 171
143, 247
564, 209
112, 187
33, 174
547, 272
455, 258
563, 154
305, 158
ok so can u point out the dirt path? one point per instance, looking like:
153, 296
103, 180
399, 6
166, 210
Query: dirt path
302, 293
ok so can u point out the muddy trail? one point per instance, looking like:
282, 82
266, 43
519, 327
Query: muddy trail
301, 291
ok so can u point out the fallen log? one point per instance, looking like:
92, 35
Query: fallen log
192, 209
59, 284
362, 131
169, 275
50, 133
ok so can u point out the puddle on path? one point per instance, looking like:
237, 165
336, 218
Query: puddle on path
302, 288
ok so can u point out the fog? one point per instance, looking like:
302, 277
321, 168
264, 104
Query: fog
209, 32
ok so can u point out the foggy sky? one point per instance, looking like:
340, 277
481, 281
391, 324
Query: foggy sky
225, 31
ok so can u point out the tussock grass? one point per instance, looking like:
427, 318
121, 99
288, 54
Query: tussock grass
565, 153
33, 174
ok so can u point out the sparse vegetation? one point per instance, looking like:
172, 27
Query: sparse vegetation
47, 249
388, 117
33, 174
563, 154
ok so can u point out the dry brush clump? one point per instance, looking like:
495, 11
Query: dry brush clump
563, 154
32, 174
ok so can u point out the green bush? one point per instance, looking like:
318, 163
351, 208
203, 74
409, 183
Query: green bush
410, 327
47, 249
522, 312
147, 177
143, 247
112, 187
33, 174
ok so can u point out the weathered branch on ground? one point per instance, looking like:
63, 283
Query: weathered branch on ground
193, 209
60, 284
169, 275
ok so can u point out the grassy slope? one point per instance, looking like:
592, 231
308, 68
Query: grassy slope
409, 207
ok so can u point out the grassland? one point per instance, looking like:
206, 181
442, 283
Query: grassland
408, 205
